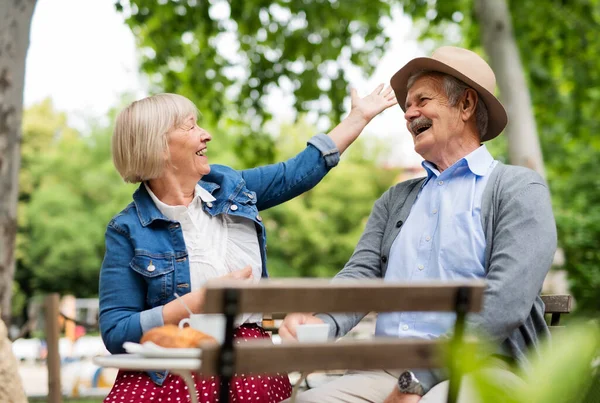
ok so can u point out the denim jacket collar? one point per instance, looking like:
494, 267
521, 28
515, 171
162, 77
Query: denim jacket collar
147, 210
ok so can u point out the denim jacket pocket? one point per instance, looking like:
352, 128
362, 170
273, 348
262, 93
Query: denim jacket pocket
158, 273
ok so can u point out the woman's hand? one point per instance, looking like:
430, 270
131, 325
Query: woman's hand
243, 274
173, 311
373, 104
361, 113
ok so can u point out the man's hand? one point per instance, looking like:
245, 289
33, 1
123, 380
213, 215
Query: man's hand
287, 330
398, 397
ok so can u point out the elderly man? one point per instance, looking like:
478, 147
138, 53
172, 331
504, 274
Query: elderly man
472, 217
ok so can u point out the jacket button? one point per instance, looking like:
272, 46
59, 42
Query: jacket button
259, 218
209, 204
234, 207
384, 259
399, 224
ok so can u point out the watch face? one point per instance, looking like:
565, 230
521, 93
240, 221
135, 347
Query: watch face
405, 380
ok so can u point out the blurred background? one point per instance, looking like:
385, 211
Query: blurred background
266, 76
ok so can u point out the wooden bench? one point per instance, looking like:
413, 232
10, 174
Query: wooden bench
233, 297
556, 305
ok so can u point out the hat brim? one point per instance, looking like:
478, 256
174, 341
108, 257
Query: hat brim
497, 117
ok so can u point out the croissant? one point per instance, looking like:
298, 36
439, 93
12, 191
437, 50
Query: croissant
171, 336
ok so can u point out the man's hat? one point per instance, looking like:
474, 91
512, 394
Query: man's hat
468, 67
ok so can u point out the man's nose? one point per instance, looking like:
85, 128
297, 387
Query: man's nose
411, 114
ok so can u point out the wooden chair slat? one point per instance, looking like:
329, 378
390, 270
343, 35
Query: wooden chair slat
262, 357
558, 303
301, 295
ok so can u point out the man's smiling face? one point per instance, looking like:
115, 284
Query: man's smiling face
430, 119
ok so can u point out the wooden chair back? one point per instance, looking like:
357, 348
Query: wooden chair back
312, 295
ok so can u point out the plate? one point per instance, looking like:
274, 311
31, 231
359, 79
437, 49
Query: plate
151, 350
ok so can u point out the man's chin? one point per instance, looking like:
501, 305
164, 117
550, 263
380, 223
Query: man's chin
421, 146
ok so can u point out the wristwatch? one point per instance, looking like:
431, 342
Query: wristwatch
408, 383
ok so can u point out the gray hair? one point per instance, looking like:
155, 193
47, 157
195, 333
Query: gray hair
454, 90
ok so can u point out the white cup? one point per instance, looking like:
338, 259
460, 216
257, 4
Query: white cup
312, 333
211, 324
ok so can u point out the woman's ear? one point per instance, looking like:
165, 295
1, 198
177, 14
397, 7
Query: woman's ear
469, 104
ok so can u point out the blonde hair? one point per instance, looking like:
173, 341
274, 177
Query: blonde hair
140, 142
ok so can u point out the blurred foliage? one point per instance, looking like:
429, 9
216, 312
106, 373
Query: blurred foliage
68, 192
226, 55
565, 370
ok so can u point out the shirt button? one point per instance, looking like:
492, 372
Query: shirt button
384, 259
440, 183
404, 327
209, 204
421, 267
399, 224
234, 207
434, 211
259, 218
428, 238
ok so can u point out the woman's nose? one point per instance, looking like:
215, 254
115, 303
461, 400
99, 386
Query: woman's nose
206, 136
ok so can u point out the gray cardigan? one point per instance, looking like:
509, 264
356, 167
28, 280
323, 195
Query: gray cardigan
520, 243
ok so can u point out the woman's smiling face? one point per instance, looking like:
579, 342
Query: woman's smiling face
187, 149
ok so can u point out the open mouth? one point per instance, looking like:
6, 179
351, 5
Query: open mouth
201, 153
420, 128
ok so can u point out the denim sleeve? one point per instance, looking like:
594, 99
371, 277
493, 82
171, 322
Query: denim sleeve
122, 295
277, 183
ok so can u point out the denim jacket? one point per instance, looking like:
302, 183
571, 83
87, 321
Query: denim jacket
146, 260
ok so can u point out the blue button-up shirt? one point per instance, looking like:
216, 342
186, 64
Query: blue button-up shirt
442, 239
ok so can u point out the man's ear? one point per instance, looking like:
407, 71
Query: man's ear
468, 104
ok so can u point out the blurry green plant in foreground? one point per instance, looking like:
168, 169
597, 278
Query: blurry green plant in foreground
566, 369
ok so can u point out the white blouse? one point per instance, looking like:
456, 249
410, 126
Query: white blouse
216, 245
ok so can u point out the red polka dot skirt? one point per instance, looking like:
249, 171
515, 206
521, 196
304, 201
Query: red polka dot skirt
136, 386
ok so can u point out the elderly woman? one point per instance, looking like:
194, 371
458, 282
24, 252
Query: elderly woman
189, 222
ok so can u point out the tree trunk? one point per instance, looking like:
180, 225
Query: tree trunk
15, 21
500, 45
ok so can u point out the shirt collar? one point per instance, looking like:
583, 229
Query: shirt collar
478, 161
199, 193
